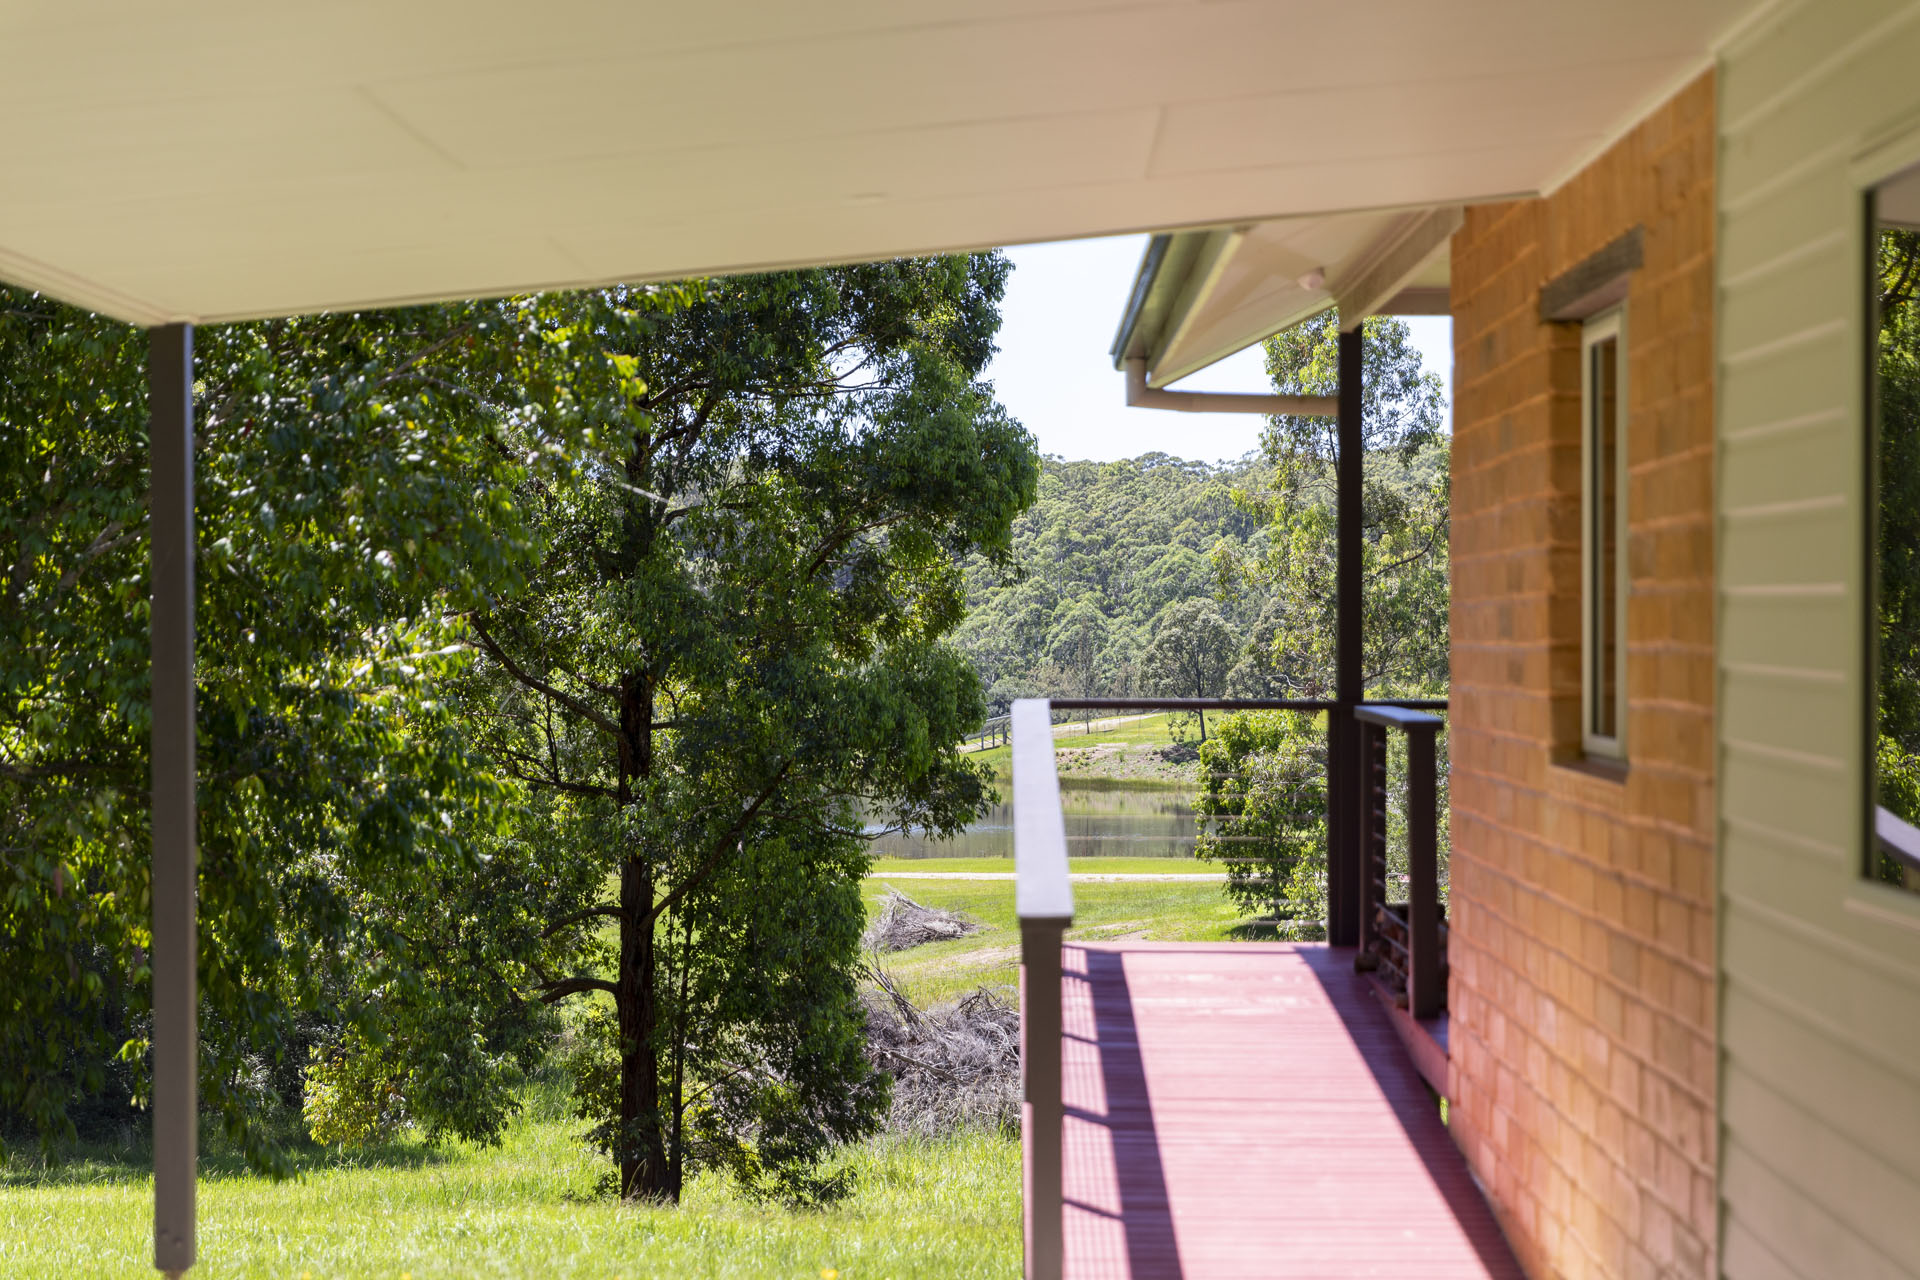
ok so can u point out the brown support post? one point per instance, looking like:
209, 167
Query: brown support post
1343, 739
176, 1001
1426, 995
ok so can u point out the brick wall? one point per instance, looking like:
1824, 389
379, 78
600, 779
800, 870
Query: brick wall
1583, 941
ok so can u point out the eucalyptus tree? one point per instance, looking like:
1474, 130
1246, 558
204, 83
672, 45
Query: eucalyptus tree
1403, 516
354, 500
1193, 649
731, 653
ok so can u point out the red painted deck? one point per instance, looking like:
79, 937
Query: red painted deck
1246, 1109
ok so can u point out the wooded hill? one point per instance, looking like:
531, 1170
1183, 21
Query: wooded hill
1104, 551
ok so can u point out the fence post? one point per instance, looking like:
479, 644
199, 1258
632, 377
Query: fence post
1426, 996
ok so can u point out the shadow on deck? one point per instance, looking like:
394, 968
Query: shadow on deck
1247, 1109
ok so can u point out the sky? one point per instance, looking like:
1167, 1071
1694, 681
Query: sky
1054, 373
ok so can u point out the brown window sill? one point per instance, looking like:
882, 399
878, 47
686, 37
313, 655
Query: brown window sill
1598, 767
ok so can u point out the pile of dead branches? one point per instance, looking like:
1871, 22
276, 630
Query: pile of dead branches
953, 1066
904, 923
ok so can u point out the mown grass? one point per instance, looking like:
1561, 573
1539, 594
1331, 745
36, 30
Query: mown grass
941, 1209
1136, 736
1177, 911
1078, 866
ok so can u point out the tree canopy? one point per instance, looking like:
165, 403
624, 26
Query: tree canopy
1105, 549
731, 650
1898, 539
353, 494
549, 648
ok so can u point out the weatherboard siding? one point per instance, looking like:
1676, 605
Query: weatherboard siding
1819, 992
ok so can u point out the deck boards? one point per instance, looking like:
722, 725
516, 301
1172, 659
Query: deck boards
1246, 1109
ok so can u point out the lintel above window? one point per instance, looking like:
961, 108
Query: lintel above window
1597, 284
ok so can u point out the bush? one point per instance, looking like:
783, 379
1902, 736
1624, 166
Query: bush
1263, 813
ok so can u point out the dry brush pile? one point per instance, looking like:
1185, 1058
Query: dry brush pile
956, 1065
904, 923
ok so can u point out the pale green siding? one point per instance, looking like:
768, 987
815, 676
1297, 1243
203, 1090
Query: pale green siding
1820, 970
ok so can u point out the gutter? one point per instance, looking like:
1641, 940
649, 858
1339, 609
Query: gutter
1143, 283
1142, 396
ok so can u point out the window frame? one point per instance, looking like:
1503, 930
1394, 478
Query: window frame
1887, 832
1595, 330
1859, 894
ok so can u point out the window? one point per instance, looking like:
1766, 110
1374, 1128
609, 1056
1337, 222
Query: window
1893, 397
1603, 509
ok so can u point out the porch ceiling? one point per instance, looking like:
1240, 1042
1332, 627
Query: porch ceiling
217, 159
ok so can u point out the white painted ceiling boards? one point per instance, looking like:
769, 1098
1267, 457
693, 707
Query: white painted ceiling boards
212, 159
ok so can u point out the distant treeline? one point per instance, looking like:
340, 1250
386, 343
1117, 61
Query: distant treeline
1108, 548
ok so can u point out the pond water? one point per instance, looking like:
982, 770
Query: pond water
1104, 822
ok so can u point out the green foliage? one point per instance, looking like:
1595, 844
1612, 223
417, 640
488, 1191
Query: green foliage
353, 497
1078, 645
1263, 812
707, 541
354, 1096
1110, 548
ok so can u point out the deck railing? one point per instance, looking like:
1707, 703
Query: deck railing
1043, 900
1405, 939
1357, 881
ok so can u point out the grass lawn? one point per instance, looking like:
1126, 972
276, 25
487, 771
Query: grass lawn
1084, 866
1122, 749
921, 1209
1179, 911
944, 1210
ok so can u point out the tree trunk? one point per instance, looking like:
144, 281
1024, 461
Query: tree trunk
644, 1171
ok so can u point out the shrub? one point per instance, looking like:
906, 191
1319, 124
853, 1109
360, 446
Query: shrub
1263, 813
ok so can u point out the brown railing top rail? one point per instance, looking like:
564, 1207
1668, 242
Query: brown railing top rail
1392, 716
1234, 704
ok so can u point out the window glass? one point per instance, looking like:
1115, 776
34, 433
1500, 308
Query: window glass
1602, 526
1894, 393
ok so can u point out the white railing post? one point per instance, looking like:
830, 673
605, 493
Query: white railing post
1043, 899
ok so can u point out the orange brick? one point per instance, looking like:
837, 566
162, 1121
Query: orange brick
1582, 921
